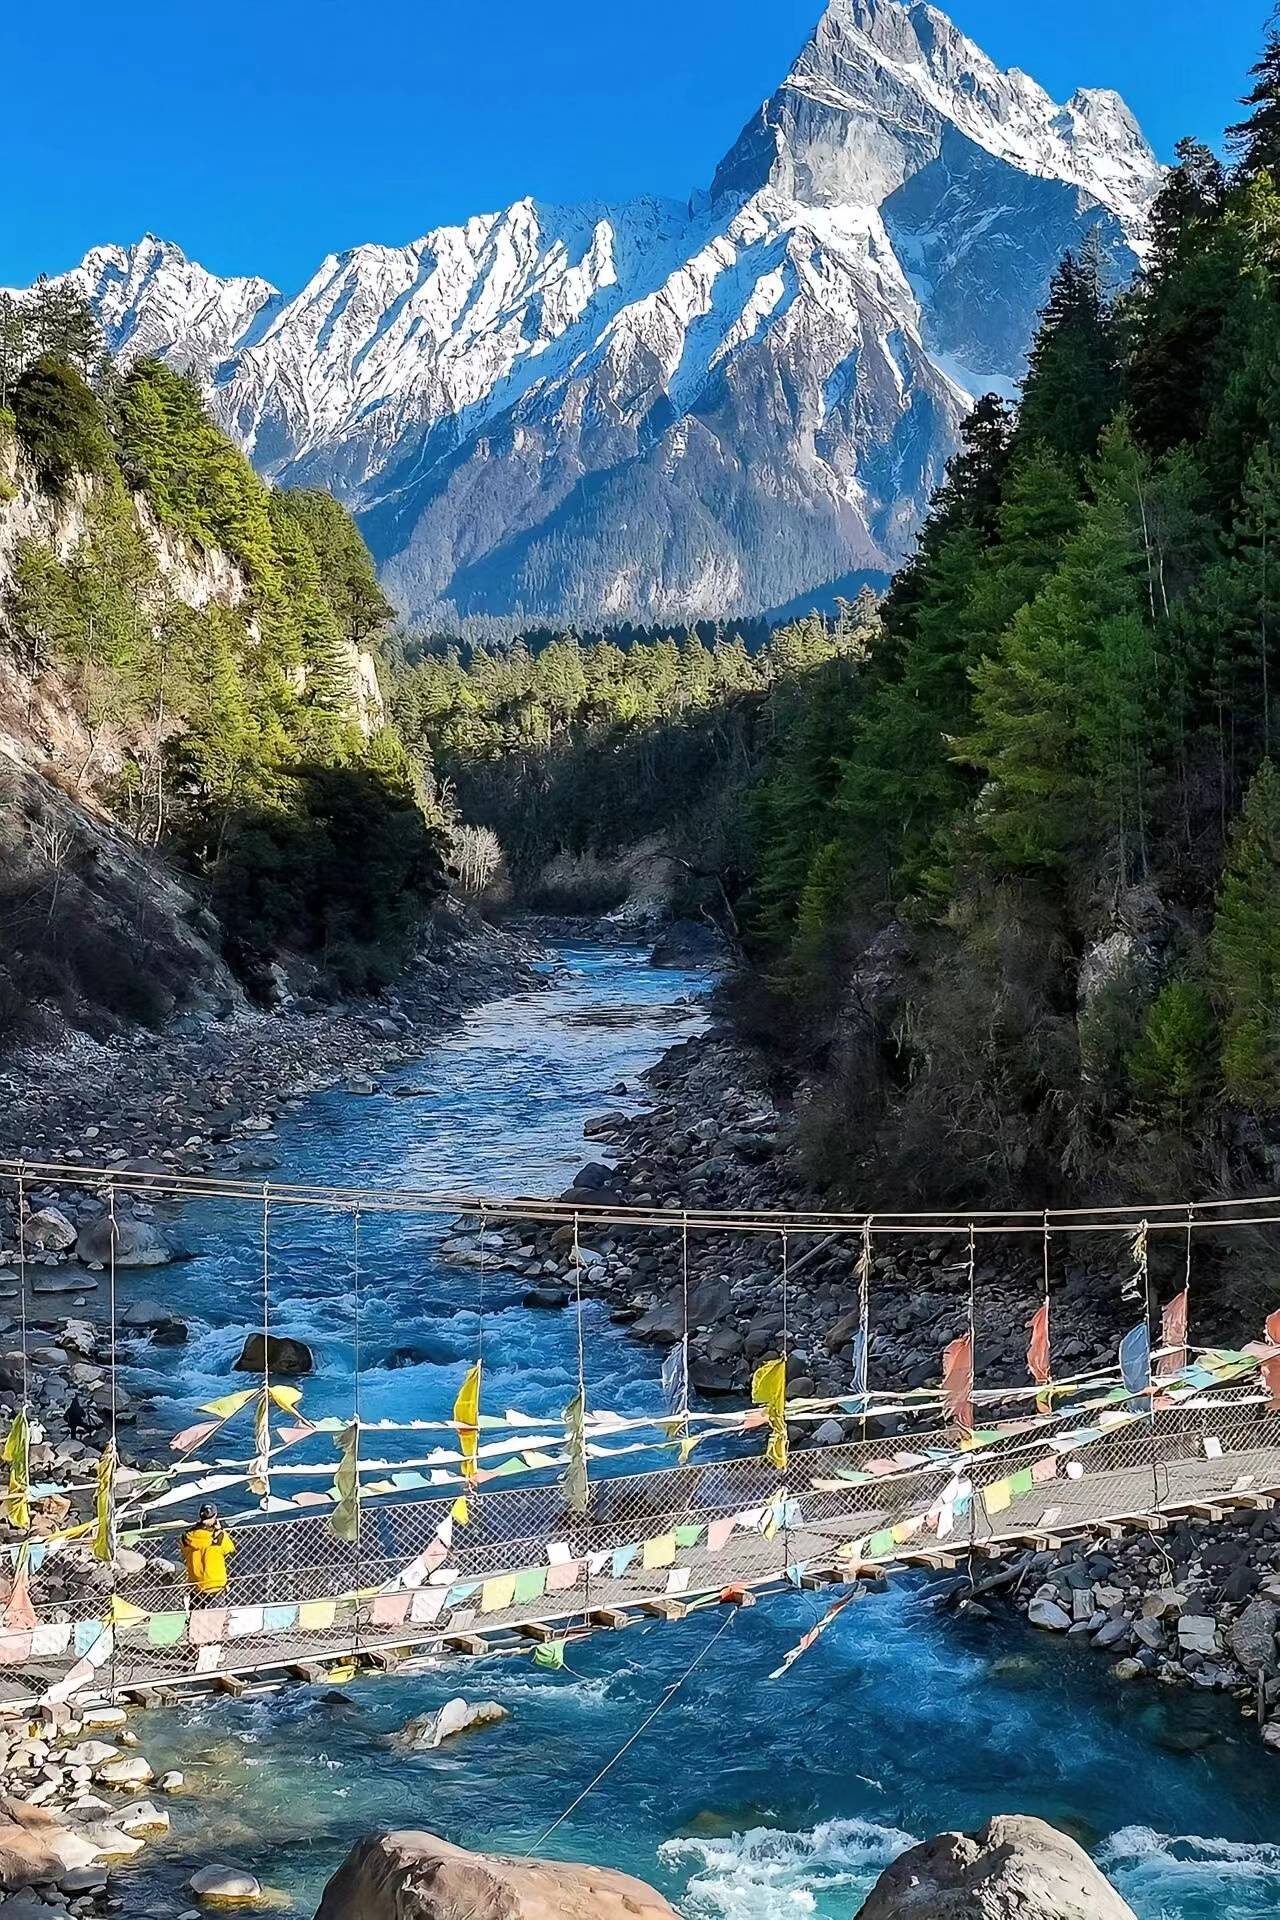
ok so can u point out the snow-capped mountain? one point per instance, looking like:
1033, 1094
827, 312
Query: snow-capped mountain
658, 410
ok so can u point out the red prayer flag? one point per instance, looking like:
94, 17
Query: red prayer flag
957, 1380
1272, 1329
1271, 1378
1173, 1335
1038, 1350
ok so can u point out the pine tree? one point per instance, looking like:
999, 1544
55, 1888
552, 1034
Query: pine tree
1245, 949
1173, 1066
1072, 385
1255, 140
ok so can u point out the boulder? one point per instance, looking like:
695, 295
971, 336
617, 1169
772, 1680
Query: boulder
35, 1846
415, 1876
429, 1730
138, 1243
221, 1886
285, 1357
1253, 1637
49, 1231
1046, 1613
689, 943
1016, 1868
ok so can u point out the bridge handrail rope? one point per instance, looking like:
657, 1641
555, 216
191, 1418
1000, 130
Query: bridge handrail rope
1161, 1216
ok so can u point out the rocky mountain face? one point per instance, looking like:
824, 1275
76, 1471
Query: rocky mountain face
656, 411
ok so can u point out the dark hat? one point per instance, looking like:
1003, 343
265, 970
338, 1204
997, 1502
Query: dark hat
208, 1513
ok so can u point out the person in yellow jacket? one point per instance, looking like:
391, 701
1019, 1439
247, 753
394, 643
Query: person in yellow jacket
205, 1550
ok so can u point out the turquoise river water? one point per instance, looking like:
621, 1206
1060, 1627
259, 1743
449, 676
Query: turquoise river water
745, 1798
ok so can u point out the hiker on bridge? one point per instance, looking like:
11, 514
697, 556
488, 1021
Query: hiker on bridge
206, 1548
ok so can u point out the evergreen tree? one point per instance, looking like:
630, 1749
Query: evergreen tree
1255, 140
1072, 385
1245, 948
59, 422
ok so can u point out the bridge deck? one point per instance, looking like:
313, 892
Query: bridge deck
1179, 1464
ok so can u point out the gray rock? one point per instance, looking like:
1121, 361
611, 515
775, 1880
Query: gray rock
286, 1357
429, 1730
689, 943
1016, 1868
1046, 1613
49, 1231
1252, 1638
138, 1243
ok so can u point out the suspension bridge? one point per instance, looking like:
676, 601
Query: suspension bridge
482, 1530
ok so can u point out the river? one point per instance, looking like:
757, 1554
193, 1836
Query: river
746, 1798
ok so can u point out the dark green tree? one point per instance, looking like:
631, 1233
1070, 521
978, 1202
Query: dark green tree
59, 422
1245, 949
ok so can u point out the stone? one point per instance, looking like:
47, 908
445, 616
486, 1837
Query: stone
222, 1886
144, 1816
172, 1782
1252, 1637
1015, 1868
689, 943
49, 1231
138, 1243
829, 1434
1197, 1633
545, 1299
111, 1842
416, 1876
130, 1770
429, 1730
286, 1358
1046, 1613
36, 1847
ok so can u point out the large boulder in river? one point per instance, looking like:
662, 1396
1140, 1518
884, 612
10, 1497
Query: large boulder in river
283, 1356
689, 943
429, 1730
138, 1243
35, 1846
1016, 1868
415, 1876
48, 1230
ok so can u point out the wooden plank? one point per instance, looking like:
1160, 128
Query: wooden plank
473, 1643
310, 1672
611, 1617
539, 1630
230, 1683
664, 1608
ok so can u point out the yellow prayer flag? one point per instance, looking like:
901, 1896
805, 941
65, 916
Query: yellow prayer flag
466, 1413
460, 1512
998, 1496
124, 1613
660, 1552
231, 1403
769, 1390
286, 1398
316, 1616
496, 1595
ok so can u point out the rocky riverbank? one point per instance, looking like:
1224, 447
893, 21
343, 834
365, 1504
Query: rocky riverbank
199, 1098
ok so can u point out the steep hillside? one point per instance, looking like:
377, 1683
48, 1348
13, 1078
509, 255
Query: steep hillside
660, 411
197, 773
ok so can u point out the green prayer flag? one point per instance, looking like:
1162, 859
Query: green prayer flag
530, 1585
1023, 1481
549, 1656
574, 1481
344, 1521
166, 1629
15, 1454
688, 1536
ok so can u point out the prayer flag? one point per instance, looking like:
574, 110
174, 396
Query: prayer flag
230, 1403
1135, 1358
769, 1390
675, 1380
344, 1521
425, 1605
208, 1658
245, 1622
957, 1380
104, 1538
389, 1610
166, 1629
718, 1535
279, 1619
466, 1413
315, 1616
16, 1455
1038, 1355
998, 1496
1272, 1329
549, 1656
1173, 1336
688, 1536
574, 1480
49, 1642
20, 1615
1271, 1378
623, 1557
860, 1356
660, 1551
563, 1576
530, 1585
814, 1634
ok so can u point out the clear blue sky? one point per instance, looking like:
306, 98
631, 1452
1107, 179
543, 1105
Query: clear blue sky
261, 137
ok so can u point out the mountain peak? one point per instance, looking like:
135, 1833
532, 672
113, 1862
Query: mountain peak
878, 85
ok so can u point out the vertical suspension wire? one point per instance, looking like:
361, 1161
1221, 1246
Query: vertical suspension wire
109, 1493
971, 1317
357, 1401
786, 1367
864, 1317
22, 1283
266, 1287
582, 1398
684, 1324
